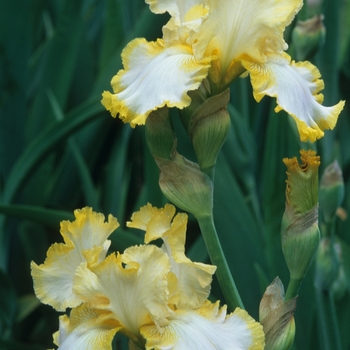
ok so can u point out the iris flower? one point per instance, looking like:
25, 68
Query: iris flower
220, 40
155, 296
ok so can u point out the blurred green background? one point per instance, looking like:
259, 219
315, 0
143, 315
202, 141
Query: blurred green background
60, 150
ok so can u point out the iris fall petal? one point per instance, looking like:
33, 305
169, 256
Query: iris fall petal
154, 76
296, 87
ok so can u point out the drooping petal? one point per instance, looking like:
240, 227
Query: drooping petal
85, 242
86, 328
296, 87
133, 286
53, 280
207, 328
154, 76
243, 29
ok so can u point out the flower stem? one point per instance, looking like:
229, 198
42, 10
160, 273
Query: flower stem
218, 259
293, 288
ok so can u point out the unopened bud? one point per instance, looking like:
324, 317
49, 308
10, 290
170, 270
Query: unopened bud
160, 134
184, 184
327, 265
207, 122
331, 191
308, 36
300, 232
277, 317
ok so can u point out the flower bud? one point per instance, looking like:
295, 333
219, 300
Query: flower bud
331, 191
308, 36
277, 317
208, 128
207, 122
183, 183
300, 232
160, 134
327, 265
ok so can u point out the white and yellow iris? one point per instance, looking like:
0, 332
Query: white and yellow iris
156, 296
220, 40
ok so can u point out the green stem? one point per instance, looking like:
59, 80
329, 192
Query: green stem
322, 317
218, 259
334, 323
293, 288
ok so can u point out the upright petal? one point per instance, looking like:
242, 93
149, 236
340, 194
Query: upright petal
133, 286
296, 87
154, 76
191, 285
86, 328
193, 280
240, 29
207, 328
88, 230
155, 221
85, 242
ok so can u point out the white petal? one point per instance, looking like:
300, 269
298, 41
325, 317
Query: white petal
243, 29
296, 87
207, 329
154, 76
85, 329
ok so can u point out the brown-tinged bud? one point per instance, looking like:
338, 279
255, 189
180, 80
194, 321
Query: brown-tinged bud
184, 184
308, 36
277, 317
300, 232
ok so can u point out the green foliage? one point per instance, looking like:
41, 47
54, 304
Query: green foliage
59, 150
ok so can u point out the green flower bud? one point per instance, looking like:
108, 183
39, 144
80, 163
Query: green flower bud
183, 183
300, 232
308, 36
207, 122
208, 128
277, 317
160, 135
331, 191
327, 265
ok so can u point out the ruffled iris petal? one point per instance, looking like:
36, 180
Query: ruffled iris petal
133, 286
88, 230
206, 328
86, 328
296, 87
193, 279
154, 76
85, 242
191, 285
152, 220
240, 29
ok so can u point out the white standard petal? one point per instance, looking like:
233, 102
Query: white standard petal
240, 29
154, 76
209, 330
296, 87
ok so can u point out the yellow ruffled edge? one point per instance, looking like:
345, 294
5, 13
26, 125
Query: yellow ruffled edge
306, 132
256, 329
124, 112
